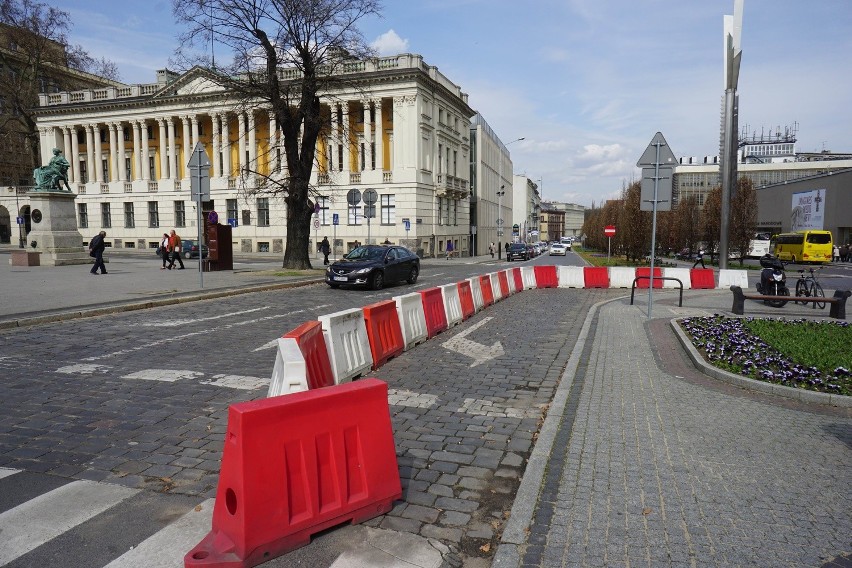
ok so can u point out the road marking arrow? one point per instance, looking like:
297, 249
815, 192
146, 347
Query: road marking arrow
479, 352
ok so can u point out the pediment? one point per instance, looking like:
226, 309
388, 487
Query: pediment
196, 81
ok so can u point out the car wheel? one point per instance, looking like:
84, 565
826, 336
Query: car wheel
187, 255
412, 276
378, 280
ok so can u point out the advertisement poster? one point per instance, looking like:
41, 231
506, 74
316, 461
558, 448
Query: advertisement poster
808, 210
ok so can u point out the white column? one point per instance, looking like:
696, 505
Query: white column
344, 137
187, 147
90, 151
66, 150
99, 174
368, 136
137, 152
241, 133
113, 151
121, 153
216, 150
252, 141
75, 156
380, 154
273, 143
173, 155
194, 119
143, 127
163, 149
335, 137
226, 147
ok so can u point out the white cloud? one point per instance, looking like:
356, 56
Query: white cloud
389, 43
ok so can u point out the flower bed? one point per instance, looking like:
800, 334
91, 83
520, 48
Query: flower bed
729, 344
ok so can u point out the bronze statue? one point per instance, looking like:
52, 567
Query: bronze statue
54, 174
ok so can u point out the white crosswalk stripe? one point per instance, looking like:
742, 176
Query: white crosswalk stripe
6, 472
45, 517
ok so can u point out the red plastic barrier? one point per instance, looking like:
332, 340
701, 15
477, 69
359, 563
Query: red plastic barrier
545, 277
596, 277
383, 331
433, 306
504, 283
646, 271
702, 278
296, 465
487, 291
311, 343
519, 279
466, 298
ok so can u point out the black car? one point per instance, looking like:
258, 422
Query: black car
517, 251
374, 266
189, 249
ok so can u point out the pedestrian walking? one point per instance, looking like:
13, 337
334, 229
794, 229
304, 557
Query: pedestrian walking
491, 249
96, 250
175, 246
699, 258
845, 252
325, 249
164, 249
835, 256
449, 249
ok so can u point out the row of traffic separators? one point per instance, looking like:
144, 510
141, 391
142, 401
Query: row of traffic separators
324, 454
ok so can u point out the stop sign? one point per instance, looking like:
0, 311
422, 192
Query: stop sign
609, 230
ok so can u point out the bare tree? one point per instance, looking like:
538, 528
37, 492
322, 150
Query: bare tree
711, 224
315, 38
743, 217
687, 223
37, 58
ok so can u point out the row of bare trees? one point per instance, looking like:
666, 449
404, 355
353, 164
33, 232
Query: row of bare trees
686, 226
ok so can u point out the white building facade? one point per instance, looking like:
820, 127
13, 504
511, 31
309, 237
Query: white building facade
526, 208
492, 194
400, 128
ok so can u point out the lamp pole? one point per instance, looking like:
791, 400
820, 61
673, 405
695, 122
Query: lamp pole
500, 193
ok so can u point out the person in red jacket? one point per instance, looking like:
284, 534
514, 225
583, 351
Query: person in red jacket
174, 246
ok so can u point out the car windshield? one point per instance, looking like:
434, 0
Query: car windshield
517, 247
366, 253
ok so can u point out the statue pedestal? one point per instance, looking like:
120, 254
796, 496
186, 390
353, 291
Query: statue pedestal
55, 232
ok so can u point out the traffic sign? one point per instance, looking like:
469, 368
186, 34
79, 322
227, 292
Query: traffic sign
407, 224
499, 222
335, 219
370, 196
232, 221
316, 224
651, 158
353, 197
370, 211
199, 179
20, 220
609, 230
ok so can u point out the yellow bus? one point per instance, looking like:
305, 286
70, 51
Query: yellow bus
803, 246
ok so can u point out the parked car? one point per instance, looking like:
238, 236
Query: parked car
517, 251
558, 249
373, 266
189, 249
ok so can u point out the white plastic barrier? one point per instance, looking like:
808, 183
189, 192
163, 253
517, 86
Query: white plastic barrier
412, 319
511, 278
496, 290
347, 343
681, 274
290, 373
621, 276
728, 278
452, 304
528, 276
476, 291
571, 277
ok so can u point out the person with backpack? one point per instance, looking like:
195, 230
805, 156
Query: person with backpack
175, 247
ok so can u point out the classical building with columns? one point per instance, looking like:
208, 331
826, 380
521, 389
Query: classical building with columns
400, 127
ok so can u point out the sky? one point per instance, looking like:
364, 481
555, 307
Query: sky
586, 83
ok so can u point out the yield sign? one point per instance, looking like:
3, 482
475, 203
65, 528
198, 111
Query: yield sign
649, 156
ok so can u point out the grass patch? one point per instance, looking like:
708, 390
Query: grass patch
812, 355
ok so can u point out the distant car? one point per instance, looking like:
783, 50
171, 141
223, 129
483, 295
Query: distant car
189, 249
530, 250
537, 249
558, 249
373, 266
517, 251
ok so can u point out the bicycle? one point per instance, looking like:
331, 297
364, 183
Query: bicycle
808, 287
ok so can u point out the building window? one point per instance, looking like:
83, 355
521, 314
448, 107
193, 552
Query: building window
388, 209
125, 132
263, 212
153, 214
246, 217
103, 134
83, 214
127, 169
354, 218
372, 155
129, 222
180, 214
152, 171
324, 217
445, 219
231, 207
363, 158
105, 169
84, 175
106, 216
440, 210
454, 216
340, 157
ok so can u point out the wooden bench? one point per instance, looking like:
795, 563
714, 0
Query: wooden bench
837, 303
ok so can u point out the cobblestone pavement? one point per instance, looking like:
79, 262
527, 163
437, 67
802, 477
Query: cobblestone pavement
654, 469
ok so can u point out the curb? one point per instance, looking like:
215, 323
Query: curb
85, 312
741, 381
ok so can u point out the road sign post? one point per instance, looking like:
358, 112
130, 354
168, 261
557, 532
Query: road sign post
370, 198
199, 181
335, 221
